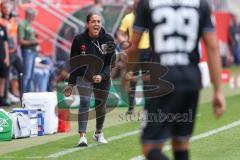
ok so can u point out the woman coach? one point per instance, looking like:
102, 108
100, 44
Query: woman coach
97, 45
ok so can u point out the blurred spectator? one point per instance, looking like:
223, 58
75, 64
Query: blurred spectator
41, 74
10, 23
226, 56
28, 42
4, 63
235, 40
59, 73
119, 70
125, 35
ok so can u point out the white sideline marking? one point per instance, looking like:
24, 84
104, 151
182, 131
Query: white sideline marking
33, 157
140, 157
200, 136
68, 151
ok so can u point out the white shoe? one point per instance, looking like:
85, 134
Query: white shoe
99, 138
82, 142
13, 99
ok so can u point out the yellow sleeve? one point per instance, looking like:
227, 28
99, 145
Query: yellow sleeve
124, 24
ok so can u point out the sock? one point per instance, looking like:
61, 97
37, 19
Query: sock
155, 154
181, 155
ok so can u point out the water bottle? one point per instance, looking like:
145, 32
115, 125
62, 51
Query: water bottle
40, 123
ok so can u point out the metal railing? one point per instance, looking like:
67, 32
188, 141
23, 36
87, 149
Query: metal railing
66, 14
119, 19
53, 34
49, 38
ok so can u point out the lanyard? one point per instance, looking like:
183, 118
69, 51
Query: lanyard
99, 47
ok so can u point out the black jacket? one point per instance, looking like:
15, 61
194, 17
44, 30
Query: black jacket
89, 52
3, 39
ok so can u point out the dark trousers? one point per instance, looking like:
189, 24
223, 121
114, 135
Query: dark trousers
100, 91
16, 63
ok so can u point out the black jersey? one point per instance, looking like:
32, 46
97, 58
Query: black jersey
175, 28
3, 38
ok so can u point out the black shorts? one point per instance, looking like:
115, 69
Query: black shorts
169, 116
3, 69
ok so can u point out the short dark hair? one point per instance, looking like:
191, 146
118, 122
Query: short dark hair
90, 15
30, 11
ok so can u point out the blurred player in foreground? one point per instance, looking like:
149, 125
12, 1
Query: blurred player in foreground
175, 29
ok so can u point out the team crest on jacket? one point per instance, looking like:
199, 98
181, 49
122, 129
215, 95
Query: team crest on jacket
83, 48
